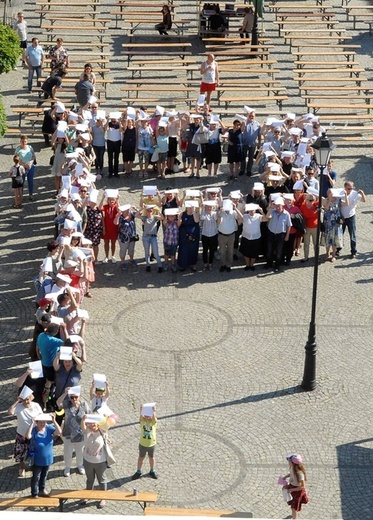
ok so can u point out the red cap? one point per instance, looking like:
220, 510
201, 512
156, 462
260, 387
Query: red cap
44, 301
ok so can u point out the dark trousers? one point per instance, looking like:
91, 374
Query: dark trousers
209, 246
99, 161
289, 248
350, 224
249, 152
275, 246
113, 151
38, 479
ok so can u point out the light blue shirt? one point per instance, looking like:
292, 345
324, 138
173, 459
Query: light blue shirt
35, 55
279, 222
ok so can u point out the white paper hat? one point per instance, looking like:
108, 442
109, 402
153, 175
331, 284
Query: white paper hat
87, 115
337, 192
298, 185
212, 190
274, 178
295, 131
240, 118
86, 136
75, 197
93, 196
191, 204
192, 193
101, 114
274, 167
69, 224
60, 107
75, 216
25, 393
115, 115
99, 380
162, 124
312, 191
171, 113
60, 134
201, 100
131, 113
111, 194
74, 390
147, 409
210, 203
227, 205
149, 190
235, 194
81, 127
66, 353
279, 201
195, 116
315, 119
288, 196
124, 207
150, 206
63, 277
94, 418
171, 211
290, 115
251, 207
248, 110
258, 186
287, 153
46, 417
75, 338
274, 196
269, 153
159, 111
73, 116
64, 193
173, 191
277, 124
214, 119
86, 242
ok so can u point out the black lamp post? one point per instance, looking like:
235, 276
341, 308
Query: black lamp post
254, 34
322, 149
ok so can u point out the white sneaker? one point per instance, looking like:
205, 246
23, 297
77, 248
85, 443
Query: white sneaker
81, 470
66, 472
114, 260
105, 260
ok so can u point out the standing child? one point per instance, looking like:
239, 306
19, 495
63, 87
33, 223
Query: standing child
16, 172
162, 145
148, 439
98, 395
297, 484
170, 237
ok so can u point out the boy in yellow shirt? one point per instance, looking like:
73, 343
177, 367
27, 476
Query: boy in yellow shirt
147, 442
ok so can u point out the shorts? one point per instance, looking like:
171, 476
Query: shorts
172, 147
170, 249
143, 450
49, 373
144, 156
207, 87
162, 156
128, 155
23, 44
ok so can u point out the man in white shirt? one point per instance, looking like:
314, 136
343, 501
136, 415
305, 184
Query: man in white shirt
348, 212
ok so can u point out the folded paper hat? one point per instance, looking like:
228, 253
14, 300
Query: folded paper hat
191, 204
174, 191
274, 196
288, 196
337, 192
149, 190
258, 186
69, 224
159, 111
227, 205
111, 194
131, 113
248, 110
162, 124
25, 393
150, 206
74, 390
313, 191
81, 128
86, 136
192, 193
86, 242
93, 196
171, 113
287, 153
298, 186
75, 197
94, 418
70, 263
212, 190
269, 153
209, 203
115, 115
290, 115
251, 207
60, 134
274, 178
46, 417
236, 195
295, 131
171, 211
279, 201
240, 118
124, 207
63, 277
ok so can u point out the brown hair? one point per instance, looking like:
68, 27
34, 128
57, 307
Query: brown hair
299, 468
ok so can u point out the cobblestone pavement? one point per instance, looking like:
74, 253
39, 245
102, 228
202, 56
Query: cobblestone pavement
221, 354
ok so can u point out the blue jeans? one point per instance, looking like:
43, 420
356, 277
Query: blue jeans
249, 152
30, 179
38, 479
350, 224
147, 242
31, 72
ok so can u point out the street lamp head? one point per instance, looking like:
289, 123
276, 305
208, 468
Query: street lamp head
322, 148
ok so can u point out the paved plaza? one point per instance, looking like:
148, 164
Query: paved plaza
222, 354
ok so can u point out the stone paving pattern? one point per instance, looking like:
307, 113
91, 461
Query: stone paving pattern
222, 355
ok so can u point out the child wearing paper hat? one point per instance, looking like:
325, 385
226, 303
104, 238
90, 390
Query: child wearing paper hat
60, 143
170, 237
25, 410
213, 147
99, 391
148, 439
109, 212
297, 484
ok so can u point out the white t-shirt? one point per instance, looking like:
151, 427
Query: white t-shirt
25, 415
350, 210
93, 450
251, 226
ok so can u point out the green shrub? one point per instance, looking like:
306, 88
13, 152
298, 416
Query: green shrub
3, 125
10, 49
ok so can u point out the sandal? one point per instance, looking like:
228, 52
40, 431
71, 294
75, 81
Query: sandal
88, 295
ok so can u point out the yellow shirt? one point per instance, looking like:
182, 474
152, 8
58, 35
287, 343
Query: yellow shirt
148, 432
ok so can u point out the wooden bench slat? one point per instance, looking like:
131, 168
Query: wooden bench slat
168, 511
44, 502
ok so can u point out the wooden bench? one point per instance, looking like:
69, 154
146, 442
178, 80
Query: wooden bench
178, 26
348, 54
335, 88
157, 88
359, 12
48, 5
157, 15
329, 24
173, 511
249, 88
155, 53
60, 31
313, 35
101, 62
46, 13
337, 46
278, 99
296, 6
323, 64
331, 70
29, 502
142, 498
317, 105
22, 111
79, 45
82, 19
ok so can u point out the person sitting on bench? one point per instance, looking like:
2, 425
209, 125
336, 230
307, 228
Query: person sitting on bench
166, 24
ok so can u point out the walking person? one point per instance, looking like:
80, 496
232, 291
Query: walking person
16, 173
251, 138
210, 77
27, 159
34, 57
20, 26
348, 212
40, 435
297, 484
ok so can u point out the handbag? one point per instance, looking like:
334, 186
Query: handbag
201, 137
110, 459
135, 238
51, 160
